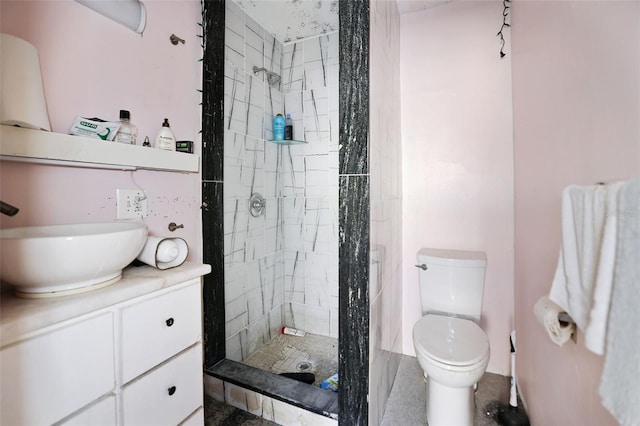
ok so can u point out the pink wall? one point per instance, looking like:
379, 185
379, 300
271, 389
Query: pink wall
457, 155
94, 67
576, 91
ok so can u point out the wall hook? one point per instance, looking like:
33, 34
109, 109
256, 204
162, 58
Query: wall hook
173, 226
175, 39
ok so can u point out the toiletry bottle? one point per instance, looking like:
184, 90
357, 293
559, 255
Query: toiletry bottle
278, 127
288, 128
166, 139
127, 132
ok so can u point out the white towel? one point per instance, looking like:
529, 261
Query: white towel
583, 214
596, 330
620, 382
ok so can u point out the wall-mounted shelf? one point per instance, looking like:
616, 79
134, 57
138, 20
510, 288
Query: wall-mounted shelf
287, 142
35, 146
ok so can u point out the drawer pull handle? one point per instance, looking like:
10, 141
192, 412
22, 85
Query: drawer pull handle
171, 390
169, 322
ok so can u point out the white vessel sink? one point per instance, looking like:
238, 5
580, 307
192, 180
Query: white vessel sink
55, 260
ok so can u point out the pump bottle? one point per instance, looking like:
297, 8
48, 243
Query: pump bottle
166, 139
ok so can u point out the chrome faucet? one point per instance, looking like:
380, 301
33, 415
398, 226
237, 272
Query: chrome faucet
8, 209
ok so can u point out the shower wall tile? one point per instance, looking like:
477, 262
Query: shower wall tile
316, 61
235, 282
236, 346
254, 242
236, 216
294, 278
316, 176
334, 322
333, 63
272, 54
292, 67
272, 170
234, 99
254, 46
274, 225
234, 152
253, 179
321, 226
236, 315
316, 115
292, 176
254, 99
234, 35
294, 216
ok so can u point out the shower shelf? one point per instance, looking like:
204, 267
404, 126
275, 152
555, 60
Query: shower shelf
288, 142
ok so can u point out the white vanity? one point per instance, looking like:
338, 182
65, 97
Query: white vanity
126, 354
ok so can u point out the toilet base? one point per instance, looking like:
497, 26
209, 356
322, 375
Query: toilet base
449, 406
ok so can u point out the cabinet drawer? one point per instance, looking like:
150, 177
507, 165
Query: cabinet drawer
168, 394
52, 375
196, 419
156, 329
102, 413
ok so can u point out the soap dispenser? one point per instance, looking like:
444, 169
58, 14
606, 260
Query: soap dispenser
166, 139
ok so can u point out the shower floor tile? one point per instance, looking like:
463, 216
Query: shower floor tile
292, 354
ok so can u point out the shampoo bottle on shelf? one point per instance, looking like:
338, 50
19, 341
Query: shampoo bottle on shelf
127, 132
288, 128
278, 127
166, 139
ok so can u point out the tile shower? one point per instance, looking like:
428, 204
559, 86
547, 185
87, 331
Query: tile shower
280, 268
368, 339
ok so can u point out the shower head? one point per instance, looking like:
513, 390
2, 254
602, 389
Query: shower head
272, 77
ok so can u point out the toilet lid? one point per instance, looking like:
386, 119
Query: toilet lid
453, 341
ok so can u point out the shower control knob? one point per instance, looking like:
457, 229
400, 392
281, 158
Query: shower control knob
423, 267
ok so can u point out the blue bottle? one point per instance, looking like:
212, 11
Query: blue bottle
278, 127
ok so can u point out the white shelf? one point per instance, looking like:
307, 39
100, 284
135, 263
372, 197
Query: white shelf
35, 146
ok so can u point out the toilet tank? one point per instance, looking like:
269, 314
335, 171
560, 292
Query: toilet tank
453, 282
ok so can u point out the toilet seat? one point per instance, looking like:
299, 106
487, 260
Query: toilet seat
454, 342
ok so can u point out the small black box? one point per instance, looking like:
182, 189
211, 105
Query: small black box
184, 146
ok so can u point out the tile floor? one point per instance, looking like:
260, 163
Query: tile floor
292, 354
406, 404
407, 407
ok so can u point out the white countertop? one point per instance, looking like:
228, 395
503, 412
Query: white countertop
21, 316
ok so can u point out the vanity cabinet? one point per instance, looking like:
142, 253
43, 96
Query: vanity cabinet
137, 362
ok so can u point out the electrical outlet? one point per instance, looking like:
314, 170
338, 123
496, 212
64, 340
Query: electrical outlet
131, 204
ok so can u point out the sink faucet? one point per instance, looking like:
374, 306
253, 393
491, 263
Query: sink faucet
8, 209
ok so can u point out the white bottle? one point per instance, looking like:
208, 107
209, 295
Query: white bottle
127, 132
166, 139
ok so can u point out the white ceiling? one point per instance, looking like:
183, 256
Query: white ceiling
291, 20
410, 6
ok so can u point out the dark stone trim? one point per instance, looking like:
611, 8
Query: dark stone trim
213, 284
213, 19
308, 397
213, 15
354, 308
354, 87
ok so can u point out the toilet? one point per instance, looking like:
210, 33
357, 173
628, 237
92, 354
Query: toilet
450, 346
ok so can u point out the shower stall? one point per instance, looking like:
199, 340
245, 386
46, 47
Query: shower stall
300, 259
